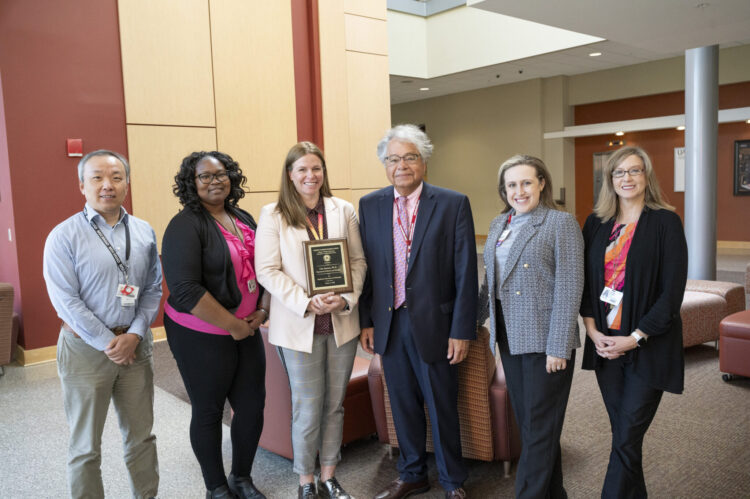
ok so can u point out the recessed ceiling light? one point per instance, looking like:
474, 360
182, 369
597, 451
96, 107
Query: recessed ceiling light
681, 127
595, 54
619, 134
424, 89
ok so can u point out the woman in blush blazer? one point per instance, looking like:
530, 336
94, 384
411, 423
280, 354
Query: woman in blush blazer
316, 337
532, 291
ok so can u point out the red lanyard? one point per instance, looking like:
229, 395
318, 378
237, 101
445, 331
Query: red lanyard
507, 227
319, 234
408, 234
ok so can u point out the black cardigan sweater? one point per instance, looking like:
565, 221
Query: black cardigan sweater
196, 260
655, 277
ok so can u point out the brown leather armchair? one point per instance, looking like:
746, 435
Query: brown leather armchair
277, 437
488, 428
8, 325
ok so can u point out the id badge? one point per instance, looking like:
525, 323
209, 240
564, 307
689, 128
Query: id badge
503, 237
611, 296
127, 294
252, 286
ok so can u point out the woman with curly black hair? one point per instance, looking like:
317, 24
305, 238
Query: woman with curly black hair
214, 309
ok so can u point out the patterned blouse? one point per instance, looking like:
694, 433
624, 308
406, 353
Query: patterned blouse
615, 259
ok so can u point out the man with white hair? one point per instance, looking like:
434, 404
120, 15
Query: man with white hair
418, 306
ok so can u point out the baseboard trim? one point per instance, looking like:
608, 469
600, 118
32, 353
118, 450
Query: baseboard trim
733, 244
43, 355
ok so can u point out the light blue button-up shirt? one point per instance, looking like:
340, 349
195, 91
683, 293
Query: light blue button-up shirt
82, 276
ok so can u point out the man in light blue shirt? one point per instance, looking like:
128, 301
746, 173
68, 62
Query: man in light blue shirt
103, 277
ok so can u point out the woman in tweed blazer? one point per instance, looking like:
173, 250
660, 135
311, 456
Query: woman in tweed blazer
532, 291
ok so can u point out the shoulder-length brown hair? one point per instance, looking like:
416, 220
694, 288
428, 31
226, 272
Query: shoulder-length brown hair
608, 205
542, 173
290, 204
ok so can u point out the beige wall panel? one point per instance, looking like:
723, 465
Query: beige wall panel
345, 194
256, 120
358, 194
166, 62
335, 101
155, 156
376, 9
364, 34
254, 201
369, 116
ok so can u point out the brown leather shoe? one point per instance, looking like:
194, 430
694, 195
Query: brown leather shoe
398, 489
458, 493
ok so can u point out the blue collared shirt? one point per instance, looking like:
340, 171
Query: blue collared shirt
82, 276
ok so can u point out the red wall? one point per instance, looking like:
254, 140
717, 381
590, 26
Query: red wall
61, 78
731, 210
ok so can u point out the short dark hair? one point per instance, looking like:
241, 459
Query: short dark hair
104, 152
184, 182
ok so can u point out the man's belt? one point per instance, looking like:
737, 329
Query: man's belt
117, 330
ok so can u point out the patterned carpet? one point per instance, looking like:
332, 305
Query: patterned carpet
698, 445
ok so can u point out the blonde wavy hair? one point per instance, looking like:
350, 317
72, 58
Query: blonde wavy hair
608, 205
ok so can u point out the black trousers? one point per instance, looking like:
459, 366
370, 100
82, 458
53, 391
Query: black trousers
631, 404
539, 400
412, 384
215, 368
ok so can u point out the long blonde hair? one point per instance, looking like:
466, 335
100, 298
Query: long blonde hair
291, 207
542, 174
608, 205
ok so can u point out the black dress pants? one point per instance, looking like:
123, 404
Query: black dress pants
631, 404
215, 368
539, 400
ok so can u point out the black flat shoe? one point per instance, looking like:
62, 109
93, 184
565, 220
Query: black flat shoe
331, 489
243, 487
307, 491
221, 492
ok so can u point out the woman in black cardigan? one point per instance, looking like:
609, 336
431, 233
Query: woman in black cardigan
211, 316
636, 269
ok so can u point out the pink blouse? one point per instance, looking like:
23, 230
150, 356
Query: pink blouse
242, 257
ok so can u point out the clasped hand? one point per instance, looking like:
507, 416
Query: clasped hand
121, 350
326, 303
611, 347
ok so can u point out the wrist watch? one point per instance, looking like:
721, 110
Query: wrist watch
639, 340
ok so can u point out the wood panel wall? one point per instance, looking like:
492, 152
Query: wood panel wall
355, 92
206, 75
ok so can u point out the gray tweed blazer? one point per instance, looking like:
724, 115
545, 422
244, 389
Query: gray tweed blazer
541, 283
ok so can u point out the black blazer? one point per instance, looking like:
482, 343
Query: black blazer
655, 276
196, 260
441, 277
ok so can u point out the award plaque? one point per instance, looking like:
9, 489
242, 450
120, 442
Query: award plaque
327, 266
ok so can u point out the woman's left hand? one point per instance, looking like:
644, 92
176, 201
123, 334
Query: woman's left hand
256, 319
555, 364
616, 346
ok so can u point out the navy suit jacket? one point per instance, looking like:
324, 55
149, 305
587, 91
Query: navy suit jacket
441, 279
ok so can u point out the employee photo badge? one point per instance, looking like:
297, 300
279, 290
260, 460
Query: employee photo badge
127, 294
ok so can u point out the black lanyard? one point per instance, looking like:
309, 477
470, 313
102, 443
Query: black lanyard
122, 266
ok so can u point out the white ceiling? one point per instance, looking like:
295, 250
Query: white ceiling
635, 31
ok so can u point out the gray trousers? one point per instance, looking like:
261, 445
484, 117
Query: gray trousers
89, 380
318, 381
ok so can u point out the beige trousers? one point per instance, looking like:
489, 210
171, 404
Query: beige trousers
89, 380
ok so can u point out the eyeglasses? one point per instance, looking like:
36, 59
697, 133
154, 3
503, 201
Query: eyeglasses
633, 172
409, 158
207, 178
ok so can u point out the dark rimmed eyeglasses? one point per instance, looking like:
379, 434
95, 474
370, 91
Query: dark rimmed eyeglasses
207, 178
633, 172
408, 158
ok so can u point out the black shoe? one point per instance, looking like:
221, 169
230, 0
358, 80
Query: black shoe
243, 487
331, 489
221, 492
307, 491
